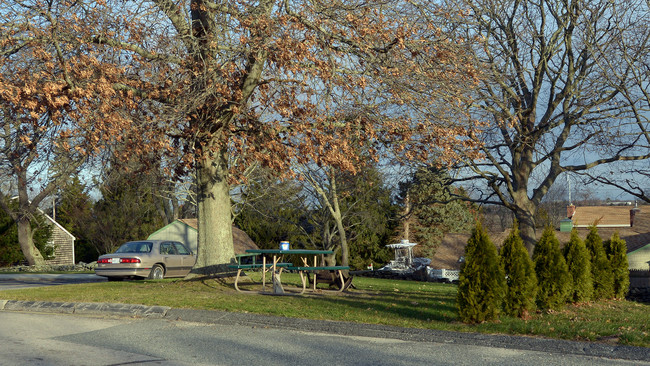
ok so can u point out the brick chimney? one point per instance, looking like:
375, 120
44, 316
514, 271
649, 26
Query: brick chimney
570, 211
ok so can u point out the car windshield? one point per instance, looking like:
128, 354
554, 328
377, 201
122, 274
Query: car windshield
135, 247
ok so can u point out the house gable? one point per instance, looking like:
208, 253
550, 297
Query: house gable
639, 258
186, 231
63, 242
179, 230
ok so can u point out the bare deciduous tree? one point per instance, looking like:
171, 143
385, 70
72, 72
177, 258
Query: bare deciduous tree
549, 102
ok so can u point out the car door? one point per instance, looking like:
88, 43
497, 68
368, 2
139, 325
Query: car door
173, 261
187, 258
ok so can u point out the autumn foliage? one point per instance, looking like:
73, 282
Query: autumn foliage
219, 87
59, 107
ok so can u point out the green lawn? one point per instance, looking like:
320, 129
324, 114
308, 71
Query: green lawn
376, 301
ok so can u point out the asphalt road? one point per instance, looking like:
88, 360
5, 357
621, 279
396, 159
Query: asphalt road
62, 339
166, 336
25, 280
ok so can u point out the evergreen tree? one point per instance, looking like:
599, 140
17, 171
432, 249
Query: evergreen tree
521, 281
126, 211
481, 283
616, 249
554, 280
601, 270
433, 211
577, 258
10, 252
271, 211
74, 212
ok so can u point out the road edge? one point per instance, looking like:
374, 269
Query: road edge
341, 328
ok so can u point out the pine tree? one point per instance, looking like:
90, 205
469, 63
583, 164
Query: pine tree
600, 268
481, 281
74, 212
553, 278
577, 259
521, 281
10, 253
431, 221
616, 249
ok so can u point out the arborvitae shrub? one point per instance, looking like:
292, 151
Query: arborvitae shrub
601, 271
577, 259
553, 278
521, 281
481, 280
616, 250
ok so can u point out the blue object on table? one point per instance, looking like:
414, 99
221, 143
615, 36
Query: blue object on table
284, 245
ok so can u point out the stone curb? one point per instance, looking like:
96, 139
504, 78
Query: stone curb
85, 308
48, 277
335, 327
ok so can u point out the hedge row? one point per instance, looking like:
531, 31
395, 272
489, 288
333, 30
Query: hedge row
510, 282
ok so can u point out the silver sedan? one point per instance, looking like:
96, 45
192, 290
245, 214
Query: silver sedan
153, 259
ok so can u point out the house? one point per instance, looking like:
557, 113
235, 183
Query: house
639, 258
63, 243
450, 252
602, 216
637, 239
632, 225
186, 232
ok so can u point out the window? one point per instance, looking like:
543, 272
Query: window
181, 249
167, 248
135, 247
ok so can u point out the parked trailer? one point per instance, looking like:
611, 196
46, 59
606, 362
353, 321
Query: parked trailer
443, 275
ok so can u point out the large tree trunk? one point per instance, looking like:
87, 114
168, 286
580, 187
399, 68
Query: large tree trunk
525, 214
26, 240
215, 242
524, 208
23, 222
527, 229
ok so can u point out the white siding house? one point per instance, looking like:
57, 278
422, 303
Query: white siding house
63, 243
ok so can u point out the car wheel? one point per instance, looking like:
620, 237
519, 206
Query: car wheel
157, 272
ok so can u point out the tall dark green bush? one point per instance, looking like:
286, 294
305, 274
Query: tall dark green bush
521, 281
553, 278
481, 281
601, 270
616, 250
577, 258
10, 252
